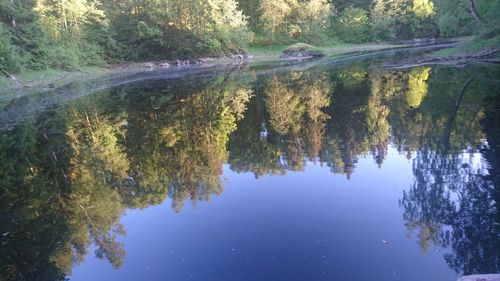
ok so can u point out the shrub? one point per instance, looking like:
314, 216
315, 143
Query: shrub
64, 56
353, 25
384, 28
448, 25
10, 60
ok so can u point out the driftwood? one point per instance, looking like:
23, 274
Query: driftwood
59, 79
10, 76
482, 57
81, 70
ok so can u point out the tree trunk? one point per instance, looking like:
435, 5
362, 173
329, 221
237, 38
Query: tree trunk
474, 12
13, 20
449, 126
65, 21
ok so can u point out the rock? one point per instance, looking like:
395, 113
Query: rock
178, 62
149, 65
164, 65
301, 50
205, 60
481, 277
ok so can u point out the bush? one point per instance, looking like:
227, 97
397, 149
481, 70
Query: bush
448, 25
64, 57
10, 60
353, 25
384, 29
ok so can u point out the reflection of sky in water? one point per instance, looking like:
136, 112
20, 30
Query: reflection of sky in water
132, 146
310, 225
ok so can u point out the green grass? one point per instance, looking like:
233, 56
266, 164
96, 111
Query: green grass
267, 51
57, 77
299, 47
332, 48
471, 45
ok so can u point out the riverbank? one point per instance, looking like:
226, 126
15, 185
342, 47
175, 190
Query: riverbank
32, 82
484, 48
54, 78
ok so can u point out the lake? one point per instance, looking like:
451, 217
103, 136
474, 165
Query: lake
331, 170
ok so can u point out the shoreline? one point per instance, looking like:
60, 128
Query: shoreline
17, 103
34, 82
54, 78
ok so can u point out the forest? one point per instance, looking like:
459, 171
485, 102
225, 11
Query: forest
66, 34
76, 158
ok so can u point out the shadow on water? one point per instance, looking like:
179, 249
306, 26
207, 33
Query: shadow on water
68, 172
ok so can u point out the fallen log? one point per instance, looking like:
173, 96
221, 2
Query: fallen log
458, 61
10, 76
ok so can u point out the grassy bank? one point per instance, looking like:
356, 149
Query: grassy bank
52, 77
272, 52
56, 77
471, 45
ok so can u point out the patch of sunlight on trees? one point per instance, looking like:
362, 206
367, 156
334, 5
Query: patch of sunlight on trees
67, 34
417, 86
294, 18
423, 8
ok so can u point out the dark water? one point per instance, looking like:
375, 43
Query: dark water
335, 172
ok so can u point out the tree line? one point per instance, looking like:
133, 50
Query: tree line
40, 34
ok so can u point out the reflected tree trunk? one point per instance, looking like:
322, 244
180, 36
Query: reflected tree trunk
451, 121
13, 20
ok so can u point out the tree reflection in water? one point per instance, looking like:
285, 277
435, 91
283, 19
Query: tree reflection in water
68, 174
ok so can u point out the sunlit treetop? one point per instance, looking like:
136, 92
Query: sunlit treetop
423, 8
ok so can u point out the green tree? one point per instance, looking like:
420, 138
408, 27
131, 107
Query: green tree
417, 86
353, 25
274, 14
423, 8
295, 19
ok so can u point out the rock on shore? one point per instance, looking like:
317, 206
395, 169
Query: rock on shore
301, 50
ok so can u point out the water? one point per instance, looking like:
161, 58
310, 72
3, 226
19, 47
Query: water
313, 172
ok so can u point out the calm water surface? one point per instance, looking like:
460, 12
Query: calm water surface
332, 172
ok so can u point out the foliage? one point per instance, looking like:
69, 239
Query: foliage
384, 28
342, 4
417, 86
353, 25
423, 8
9, 58
448, 25
67, 34
391, 19
293, 19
